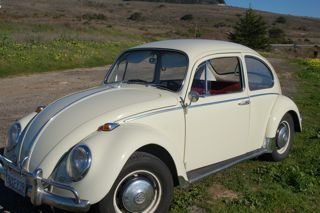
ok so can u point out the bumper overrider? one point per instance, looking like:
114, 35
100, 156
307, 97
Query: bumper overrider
38, 188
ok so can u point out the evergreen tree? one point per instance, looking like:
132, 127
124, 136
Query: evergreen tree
251, 30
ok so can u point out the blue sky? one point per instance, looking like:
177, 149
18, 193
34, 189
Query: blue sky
292, 7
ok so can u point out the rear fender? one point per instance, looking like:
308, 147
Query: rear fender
282, 106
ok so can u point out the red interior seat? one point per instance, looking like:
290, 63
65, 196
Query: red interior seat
216, 87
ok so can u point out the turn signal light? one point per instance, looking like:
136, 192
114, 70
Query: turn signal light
108, 127
39, 109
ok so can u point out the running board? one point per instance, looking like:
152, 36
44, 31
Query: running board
203, 172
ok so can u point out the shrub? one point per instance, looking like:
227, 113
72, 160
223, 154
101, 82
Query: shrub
281, 20
187, 17
94, 16
136, 16
220, 24
302, 28
277, 35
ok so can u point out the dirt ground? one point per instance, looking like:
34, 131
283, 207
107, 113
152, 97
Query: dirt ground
21, 95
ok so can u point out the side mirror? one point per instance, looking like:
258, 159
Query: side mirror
193, 96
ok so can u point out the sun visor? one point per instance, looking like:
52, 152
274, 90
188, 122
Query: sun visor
173, 60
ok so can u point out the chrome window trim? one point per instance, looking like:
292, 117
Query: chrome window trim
109, 71
265, 64
205, 63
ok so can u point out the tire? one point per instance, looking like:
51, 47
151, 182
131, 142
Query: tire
142, 172
283, 141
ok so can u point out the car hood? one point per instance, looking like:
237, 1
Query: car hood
91, 108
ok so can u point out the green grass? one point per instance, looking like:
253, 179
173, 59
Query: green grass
292, 185
29, 31
57, 46
27, 57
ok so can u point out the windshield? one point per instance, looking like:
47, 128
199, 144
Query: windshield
163, 69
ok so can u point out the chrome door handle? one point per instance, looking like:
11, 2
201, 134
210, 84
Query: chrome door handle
244, 102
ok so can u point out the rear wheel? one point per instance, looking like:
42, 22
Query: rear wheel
284, 138
144, 185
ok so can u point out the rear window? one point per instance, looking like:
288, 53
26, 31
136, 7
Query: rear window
259, 74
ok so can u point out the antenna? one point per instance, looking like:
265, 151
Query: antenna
250, 4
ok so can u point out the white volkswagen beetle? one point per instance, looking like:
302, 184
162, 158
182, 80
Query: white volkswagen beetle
168, 113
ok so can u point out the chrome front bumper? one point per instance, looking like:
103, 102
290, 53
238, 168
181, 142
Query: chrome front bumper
37, 189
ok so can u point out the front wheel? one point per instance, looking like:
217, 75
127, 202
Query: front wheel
144, 185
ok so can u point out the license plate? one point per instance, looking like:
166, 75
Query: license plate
16, 182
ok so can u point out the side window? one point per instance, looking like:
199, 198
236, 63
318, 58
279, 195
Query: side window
199, 80
259, 75
218, 76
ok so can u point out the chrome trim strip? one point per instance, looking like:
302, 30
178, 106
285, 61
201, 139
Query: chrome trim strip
142, 115
218, 102
131, 118
263, 94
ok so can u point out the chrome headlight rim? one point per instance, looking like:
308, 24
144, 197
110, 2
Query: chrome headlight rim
71, 165
12, 141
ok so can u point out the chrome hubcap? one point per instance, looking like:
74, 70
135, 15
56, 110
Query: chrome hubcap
283, 136
139, 191
137, 194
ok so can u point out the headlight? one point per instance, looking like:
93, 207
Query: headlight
78, 162
13, 135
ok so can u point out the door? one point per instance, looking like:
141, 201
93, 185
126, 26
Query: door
263, 95
217, 124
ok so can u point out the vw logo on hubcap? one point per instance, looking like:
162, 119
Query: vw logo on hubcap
140, 198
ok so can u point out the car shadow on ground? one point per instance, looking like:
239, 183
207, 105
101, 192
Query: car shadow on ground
14, 203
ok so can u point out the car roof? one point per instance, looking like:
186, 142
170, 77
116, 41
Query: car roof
197, 47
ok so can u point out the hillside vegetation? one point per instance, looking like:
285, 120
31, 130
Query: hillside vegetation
44, 35
86, 19
186, 1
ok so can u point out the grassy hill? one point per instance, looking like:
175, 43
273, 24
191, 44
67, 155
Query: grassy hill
186, 1
105, 20
44, 35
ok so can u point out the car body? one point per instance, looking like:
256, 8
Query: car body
182, 109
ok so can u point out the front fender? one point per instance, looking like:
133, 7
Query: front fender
111, 150
282, 106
